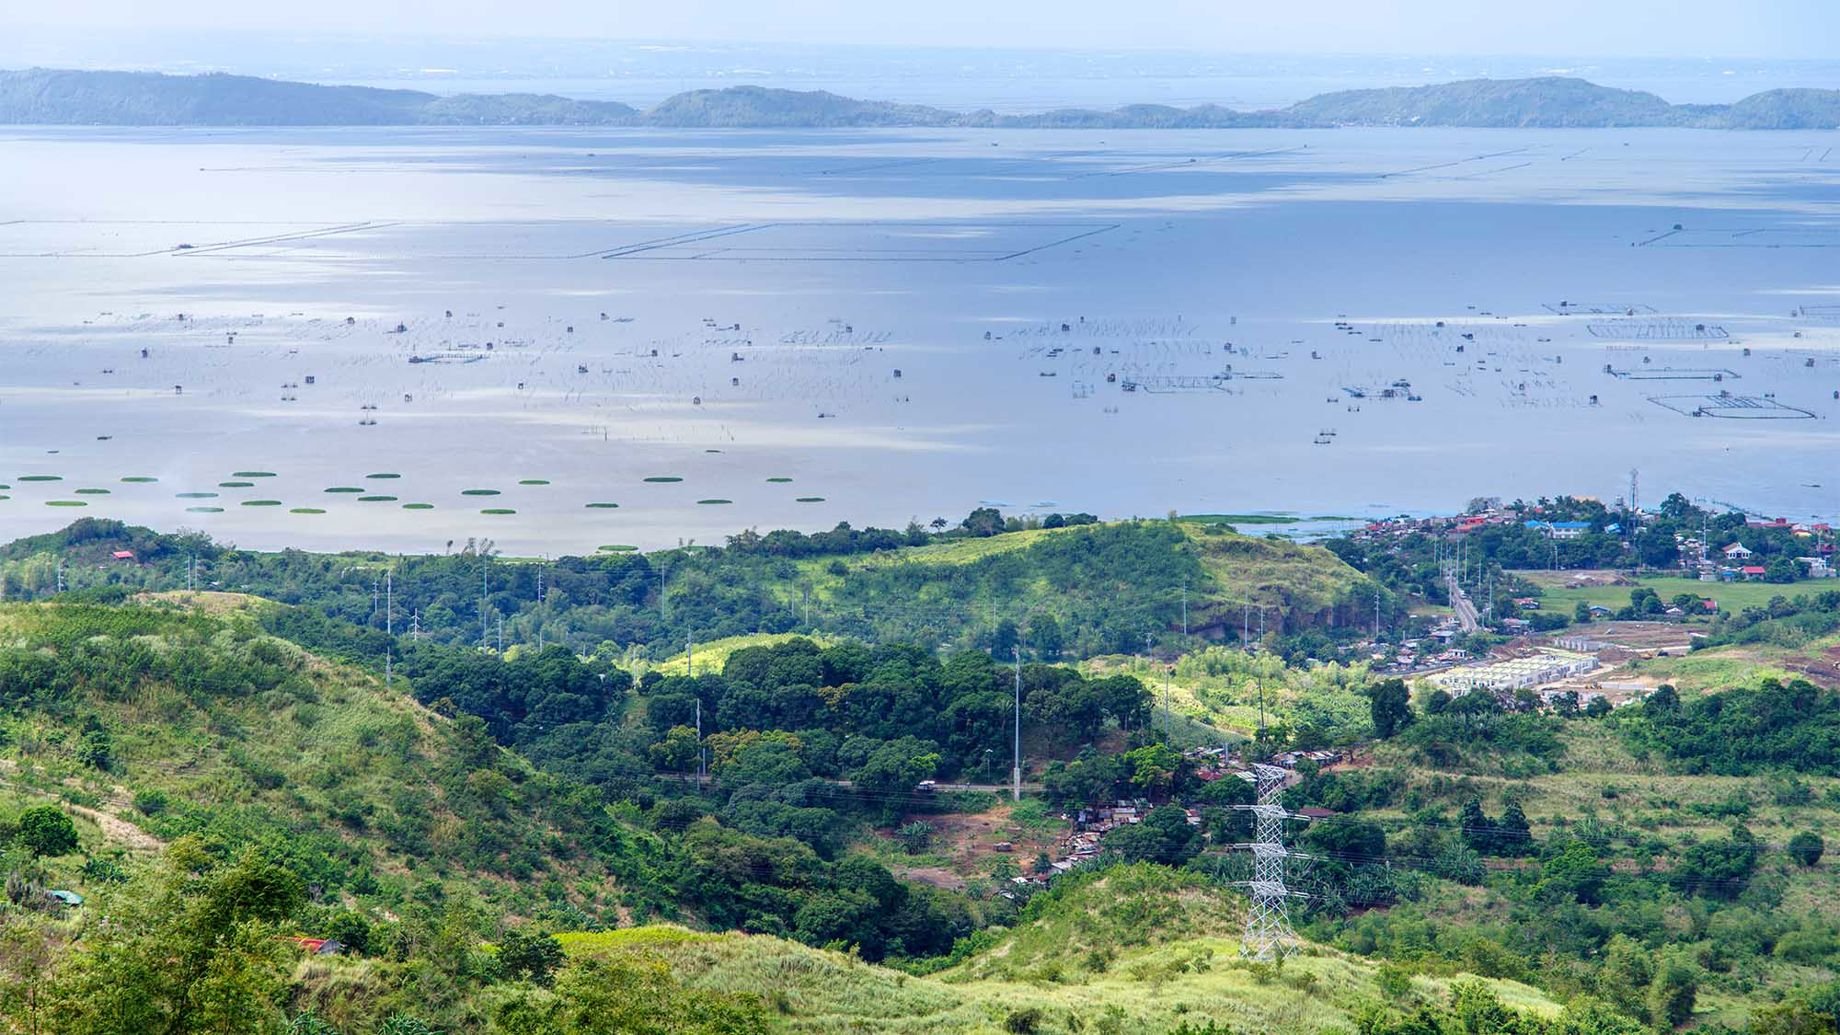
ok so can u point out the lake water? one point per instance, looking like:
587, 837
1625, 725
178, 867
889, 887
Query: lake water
905, 324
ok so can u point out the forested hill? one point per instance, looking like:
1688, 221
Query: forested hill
62, 97
1073, 588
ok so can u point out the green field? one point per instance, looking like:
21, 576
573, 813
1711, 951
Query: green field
1561, 597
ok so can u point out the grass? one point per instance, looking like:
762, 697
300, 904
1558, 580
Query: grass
1559, 595
1136, 951
301, 747
711, 656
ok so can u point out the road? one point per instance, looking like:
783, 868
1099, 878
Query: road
1460, 603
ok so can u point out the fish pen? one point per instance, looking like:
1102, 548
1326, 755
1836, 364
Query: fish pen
1726, 406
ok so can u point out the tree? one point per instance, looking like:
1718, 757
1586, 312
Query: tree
46, 830
1806, 848
1389, 702
529, 956
1674, 990
1164, 836
1153, 767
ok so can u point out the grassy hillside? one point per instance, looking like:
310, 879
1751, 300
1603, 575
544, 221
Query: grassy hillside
1079, 591
1105, 586
170, 718
1135, 949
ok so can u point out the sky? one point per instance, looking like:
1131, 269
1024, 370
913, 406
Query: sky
1769, 29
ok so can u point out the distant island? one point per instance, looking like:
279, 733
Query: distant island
102, 98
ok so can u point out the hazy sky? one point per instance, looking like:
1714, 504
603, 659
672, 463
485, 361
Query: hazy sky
1673, 28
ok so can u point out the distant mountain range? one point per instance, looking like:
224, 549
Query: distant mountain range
53, 97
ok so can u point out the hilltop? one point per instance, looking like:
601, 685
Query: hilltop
1077, 589
180, 716
1130, 949
62, 97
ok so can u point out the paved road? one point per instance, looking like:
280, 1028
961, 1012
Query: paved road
1460, 603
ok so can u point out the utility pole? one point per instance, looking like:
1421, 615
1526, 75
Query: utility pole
1015, 772
60, 574
1169, 717
484, 638
389, 625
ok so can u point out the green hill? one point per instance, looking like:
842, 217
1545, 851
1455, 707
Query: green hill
166, 719
1075, 591
1132, 949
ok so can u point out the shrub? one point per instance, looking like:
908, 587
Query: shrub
1806, 848
46, 830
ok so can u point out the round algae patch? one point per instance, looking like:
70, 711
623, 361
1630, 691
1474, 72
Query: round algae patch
383, 475
345, 488
661, 479
306, 510
204, 510
478, 492
498, 510
618, 548
198, 495
236, 485
418, 506
252, 474
713, 502
92, 492
65, 503
261, 503
41, 477
810, 499
376, 499
779, 481
139, 479
533, 481
603, 506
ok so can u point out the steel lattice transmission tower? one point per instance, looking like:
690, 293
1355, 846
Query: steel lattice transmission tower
1268, 934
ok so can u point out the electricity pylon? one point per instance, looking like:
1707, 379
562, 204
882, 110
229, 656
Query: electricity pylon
1268, 936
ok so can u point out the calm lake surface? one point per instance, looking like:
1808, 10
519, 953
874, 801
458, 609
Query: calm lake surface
905, 324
